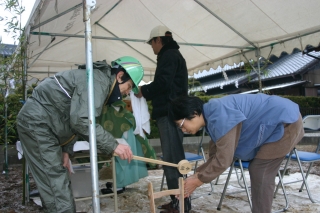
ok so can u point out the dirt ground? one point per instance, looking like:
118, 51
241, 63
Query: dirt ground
135, 198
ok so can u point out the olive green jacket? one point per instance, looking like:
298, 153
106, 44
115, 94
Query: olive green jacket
65, 100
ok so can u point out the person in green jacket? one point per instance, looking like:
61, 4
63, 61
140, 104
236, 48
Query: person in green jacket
55, 115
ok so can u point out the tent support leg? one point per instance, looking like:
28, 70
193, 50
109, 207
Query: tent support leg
87, 6
259, 70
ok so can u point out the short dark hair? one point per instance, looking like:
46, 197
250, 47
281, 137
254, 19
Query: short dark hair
125, 77
185, 107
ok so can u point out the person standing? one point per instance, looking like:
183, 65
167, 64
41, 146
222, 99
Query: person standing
170, 81
258, 128
51, 120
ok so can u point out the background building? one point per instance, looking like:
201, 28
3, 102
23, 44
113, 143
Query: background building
289, 74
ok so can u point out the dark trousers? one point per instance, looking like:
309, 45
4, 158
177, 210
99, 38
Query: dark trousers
171, 138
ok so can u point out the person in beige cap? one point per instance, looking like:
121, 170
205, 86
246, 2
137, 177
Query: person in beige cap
170, 81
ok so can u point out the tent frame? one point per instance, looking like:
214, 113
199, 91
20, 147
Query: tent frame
87, 5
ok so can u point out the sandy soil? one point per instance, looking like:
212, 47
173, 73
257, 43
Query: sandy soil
135, 198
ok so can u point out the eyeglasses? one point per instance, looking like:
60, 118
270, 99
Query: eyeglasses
181, 125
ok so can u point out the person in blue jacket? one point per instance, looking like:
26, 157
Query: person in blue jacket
258, 128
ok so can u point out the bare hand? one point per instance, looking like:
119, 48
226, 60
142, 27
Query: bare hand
124, 152
190, 184
66, 162
139, 95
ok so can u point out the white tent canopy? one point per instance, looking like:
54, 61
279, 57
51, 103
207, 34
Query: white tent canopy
211, 33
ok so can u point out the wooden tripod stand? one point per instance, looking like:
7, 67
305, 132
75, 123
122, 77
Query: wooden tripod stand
183, 166
153, 195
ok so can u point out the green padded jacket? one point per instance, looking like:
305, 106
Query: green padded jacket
61, 102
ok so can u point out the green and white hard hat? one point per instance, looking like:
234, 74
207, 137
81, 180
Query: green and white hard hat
133, 67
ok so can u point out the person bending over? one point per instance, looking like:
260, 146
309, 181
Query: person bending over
258, 128
57, 112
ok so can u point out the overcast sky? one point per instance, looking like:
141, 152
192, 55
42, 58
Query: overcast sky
7, 38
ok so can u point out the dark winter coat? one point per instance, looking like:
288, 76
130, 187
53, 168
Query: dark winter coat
170, 80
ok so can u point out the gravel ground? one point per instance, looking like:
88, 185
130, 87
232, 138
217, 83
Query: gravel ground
135, 199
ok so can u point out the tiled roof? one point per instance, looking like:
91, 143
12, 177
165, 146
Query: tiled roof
211, 71
236, 79
7, 49
285, 66
288, 65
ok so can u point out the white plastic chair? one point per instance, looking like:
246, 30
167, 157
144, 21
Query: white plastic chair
311, 122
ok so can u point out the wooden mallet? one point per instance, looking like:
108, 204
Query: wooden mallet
183, 166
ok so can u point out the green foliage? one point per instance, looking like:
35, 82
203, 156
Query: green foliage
248, 67
305, 101
13, 24
11, 68
205, 99
14, 106
192, 84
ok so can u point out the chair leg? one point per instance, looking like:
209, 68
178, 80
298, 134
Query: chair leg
225, 187
162, 182
307, 174
284, 171
284, 194
195, 166
212, 190
239, 178
303, 177
227, 182
246, 185
114, 176
217, 179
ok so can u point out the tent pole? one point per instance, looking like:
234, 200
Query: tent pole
27, 183
24, 81
87, 5
137, 40
24, 89
259, 71
5, 170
